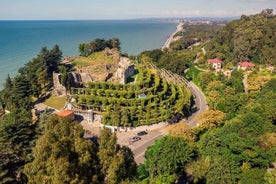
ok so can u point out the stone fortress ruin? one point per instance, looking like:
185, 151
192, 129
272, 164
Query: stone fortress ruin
117, 72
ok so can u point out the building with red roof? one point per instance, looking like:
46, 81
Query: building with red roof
216, 63
245, 64
66, 113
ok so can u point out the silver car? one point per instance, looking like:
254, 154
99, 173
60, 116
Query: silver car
135, 138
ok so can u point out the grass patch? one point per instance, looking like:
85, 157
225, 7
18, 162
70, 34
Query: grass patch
56, 102
96, 58
192, 74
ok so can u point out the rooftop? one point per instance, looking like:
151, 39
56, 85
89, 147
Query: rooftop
65, 113
216, 60
246, 64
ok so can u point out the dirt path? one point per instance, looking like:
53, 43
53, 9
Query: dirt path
244, 81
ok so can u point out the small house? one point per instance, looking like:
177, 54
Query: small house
245, 65
216, 63
67, 113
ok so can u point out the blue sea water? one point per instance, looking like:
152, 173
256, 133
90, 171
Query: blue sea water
20, 41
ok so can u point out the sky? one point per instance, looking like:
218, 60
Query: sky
128, 9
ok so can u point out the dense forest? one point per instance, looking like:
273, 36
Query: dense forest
235, 141
192, 34
175, 61
233, 145
251, 38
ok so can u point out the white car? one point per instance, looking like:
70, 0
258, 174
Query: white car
135, 138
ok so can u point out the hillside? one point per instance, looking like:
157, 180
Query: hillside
251, 38
234, 141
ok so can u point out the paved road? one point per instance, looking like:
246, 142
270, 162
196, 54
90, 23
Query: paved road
139, 148
200, 101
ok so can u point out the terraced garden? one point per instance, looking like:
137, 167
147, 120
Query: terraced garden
150, 100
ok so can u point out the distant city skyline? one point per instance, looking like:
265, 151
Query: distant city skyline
128, 9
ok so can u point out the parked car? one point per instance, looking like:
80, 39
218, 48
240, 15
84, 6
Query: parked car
142, 133
135, 138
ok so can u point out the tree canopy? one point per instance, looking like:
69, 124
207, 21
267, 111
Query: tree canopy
16, 137
251, 38
85, 49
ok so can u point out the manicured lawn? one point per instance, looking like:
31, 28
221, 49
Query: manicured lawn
56, 102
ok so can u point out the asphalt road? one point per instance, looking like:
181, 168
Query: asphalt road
200, 101
139, 147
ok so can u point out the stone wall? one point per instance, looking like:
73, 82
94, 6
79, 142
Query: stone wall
125, 70
59, 89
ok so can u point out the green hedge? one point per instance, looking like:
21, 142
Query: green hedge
161, 102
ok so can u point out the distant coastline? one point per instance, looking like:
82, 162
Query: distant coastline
170, 39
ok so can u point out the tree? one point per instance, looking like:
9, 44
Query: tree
61, 155
200, 168
92, 46
122, 166
54, 59
210, 119
21, 93
254, 176
222, 171
117, 163
16, 136
5, 93
270, 177
8, 83
84, 49
67, 80
107, 148
255, 82
182, 129
115, 42
204, 79
167, 156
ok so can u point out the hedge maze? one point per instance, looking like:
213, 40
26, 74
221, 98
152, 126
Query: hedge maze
150, 100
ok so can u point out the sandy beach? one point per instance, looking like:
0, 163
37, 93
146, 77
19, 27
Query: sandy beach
170, 39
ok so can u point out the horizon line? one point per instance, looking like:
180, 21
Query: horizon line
156, 18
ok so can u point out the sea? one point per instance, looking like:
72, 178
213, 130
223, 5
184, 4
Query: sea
20, 41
